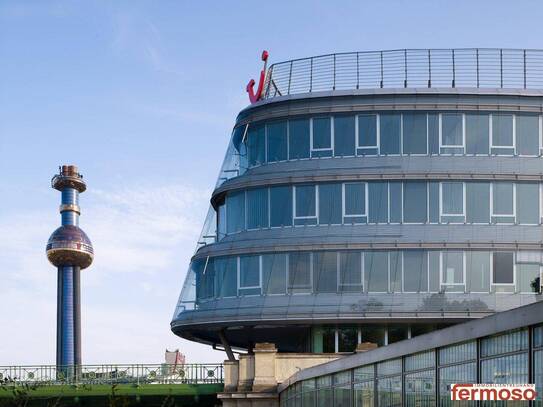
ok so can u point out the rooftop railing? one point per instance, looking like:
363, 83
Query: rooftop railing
408, 68
43, 375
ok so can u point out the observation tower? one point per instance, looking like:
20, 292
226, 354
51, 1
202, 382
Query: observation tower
70, 250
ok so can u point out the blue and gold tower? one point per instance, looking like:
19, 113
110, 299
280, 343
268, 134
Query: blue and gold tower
70, 250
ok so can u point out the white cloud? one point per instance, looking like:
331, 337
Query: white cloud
143, 238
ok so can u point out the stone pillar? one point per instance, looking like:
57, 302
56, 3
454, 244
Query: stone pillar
231, 375
265, 379
246, 372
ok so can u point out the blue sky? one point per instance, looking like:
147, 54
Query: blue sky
142, 96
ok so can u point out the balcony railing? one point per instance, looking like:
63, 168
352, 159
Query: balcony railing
408, 68
111, 374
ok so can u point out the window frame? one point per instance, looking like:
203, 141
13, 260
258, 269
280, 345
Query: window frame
239, 287
367, 286
442, 145
513, 284
294, 214
291, 289
443, 284
514, 129
494, 214
377, 136
403, 153
339, 271
343, 201
311, 147
441, 211
426, 254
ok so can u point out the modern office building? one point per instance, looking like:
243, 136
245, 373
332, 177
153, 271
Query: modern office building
373, 197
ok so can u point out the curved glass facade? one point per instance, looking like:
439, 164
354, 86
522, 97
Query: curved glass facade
350, 216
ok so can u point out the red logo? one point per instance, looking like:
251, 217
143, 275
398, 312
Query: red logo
255, 97
509, 392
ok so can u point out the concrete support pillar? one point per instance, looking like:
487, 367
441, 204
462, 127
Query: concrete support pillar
265, 379
231, 375
246, 372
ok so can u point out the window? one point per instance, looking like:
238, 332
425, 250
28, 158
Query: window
395, 271
390, 128
433, 134
433, 202
221, 222
414, 133
347, 340
367, 135
463, 373
274, 268
376, 271
235, 211
277, 141
415, 271
502, 134
503, 268
373, 334
325, 272
299, 272
478, 271
350, 272
529, 279
298, 138
503, 202
527, 203
527, 134
324, 339
378, 202
452, 135
452, 271
280, 206
226, 274
434, 271
506, 369
330, 204
414, 202
256, 145
249, 275
452, 201
321, 137
305, 204
354, 198
396, 202
257, 208
477, 202
477, 133
344, 136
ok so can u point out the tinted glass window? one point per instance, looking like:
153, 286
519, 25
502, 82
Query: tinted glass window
452, 198
281, 206
325, 272
257, 208
477, 202
277, 141
322, 133
390, 133
367, 131
298, 138
527, 203
249, 271
528, 278
235, 211
344, 135
527, 134
330, 204
350, 271
256, 145
378, 202
433, 133
305, 200
355, 199
502, 130
226, 272
451, 129
478, 271
503, 198
414, 133
453, 268
274, 273
396, 202
415, 202
477, 134
299, 272
503, 268
347, 340
376, 271
415, 269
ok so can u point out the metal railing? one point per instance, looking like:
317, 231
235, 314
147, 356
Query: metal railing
408, 68
111, 374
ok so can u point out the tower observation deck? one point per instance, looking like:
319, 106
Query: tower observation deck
70, 250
